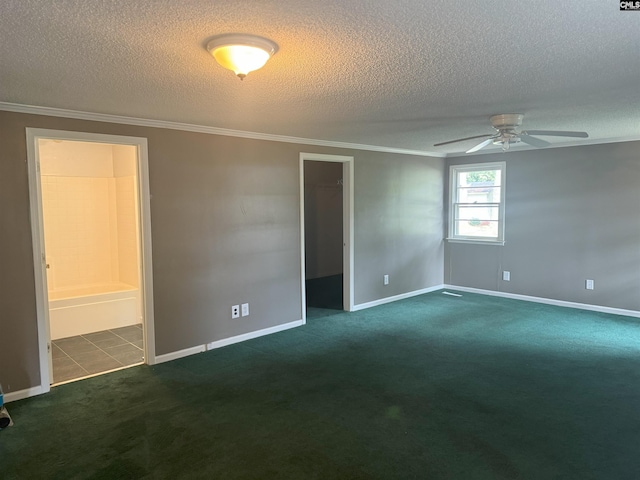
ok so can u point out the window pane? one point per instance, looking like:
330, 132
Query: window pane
474, 214
480, 178
483, 194
485, 229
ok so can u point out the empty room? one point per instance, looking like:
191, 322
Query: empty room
294, 239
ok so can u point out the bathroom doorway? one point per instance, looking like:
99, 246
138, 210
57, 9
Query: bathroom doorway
89, 198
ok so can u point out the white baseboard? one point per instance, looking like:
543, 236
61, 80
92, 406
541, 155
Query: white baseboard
382, 301
167, 357
248, 336
548, 301
20, 394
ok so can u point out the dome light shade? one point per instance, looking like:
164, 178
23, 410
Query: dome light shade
241, 53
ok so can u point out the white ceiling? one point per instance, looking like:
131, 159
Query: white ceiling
399, 74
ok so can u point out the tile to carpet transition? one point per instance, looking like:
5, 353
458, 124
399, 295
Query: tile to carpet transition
91, 351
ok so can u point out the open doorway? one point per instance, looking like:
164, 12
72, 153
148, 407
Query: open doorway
326, 231
89, 198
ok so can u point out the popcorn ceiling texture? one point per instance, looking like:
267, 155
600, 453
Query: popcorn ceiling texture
402, 74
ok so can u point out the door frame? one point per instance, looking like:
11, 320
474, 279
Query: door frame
37, 234
347, 228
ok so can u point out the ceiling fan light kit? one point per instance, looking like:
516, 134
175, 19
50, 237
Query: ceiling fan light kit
507, 126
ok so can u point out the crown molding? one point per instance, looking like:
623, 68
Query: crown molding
187, 127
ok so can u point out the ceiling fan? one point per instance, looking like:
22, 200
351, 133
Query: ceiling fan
508, 131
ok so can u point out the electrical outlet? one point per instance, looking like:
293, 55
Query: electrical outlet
588, 284
385, 280
245, 309
235, 311
506, 276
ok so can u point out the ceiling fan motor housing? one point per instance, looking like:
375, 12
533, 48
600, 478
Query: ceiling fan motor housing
507, 121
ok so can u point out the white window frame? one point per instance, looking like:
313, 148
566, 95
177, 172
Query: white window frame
454, 171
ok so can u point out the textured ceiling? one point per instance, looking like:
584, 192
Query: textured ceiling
399, 74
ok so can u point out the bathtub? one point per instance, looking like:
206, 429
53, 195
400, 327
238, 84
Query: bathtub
91, 309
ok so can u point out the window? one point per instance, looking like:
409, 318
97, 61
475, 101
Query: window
476, 209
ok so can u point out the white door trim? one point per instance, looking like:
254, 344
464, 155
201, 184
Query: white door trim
347, 227
37, 232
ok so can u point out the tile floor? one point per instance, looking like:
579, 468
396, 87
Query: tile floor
76, 357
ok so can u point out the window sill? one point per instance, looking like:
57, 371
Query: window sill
476, 242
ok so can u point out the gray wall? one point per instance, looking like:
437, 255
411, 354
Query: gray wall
398, 225
225, 230
571, 214
323, 219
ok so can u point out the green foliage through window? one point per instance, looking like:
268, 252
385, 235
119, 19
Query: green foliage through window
486, 176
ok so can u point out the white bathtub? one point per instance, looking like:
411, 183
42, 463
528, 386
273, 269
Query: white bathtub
91, 309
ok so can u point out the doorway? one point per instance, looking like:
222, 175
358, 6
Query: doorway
326, 212
90, 205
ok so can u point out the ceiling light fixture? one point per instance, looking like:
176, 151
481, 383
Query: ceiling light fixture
241, 53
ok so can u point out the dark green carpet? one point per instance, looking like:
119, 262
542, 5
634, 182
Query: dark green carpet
430, 387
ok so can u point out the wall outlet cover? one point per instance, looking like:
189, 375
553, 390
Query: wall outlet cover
245, 309
589, 284
385, 279
235, 311
506, 276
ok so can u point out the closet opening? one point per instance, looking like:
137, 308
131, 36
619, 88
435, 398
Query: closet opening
327, 234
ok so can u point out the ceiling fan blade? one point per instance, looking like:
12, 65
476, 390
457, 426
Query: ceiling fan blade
557, 133
488, 141
462, 139
533, 141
